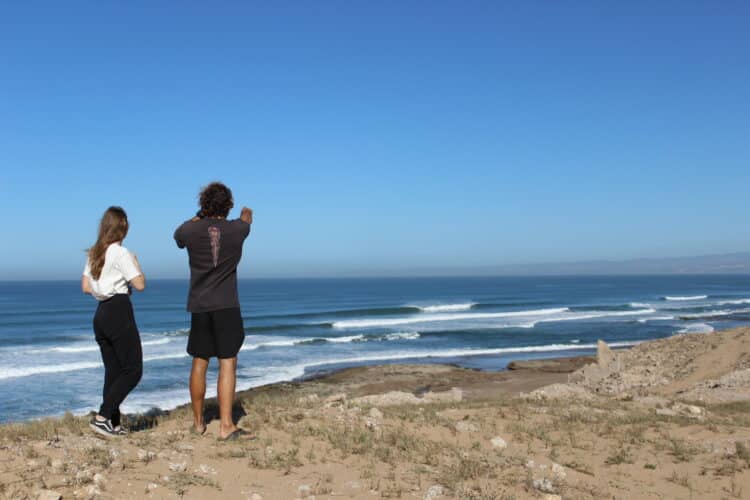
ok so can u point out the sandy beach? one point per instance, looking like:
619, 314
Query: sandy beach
665, 419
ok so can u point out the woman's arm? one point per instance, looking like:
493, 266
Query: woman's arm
139, 282
85, 285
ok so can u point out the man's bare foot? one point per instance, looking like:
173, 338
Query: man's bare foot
224, 432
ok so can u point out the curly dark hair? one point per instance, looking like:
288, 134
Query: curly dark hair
215, 200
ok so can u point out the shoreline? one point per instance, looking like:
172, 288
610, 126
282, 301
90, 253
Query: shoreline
519, 364
525, 365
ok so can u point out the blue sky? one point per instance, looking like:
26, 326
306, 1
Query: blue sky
376, 137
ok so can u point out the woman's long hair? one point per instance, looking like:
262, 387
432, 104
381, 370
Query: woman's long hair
112, 228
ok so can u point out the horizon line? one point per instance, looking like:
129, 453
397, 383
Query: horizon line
426, 276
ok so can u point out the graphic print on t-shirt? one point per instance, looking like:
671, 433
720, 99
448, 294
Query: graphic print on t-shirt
215, 234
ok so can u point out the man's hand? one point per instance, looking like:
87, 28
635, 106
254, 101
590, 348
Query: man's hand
247, 215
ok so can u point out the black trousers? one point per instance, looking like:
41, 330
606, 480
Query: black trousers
120, 345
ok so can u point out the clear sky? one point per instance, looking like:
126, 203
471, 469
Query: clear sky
376, 136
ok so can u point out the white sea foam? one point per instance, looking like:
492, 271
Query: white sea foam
92, 348
596, 314
683, 298
350, 338
697, 328
162, 357
733, 302
14, 372
528, 319
251, 346
710, 314
402, 336
446, 307
640, 304
38, 370
368, 323
655, 318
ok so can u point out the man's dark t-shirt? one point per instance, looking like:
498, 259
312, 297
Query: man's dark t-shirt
215, 248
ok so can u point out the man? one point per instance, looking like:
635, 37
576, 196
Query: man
214, 246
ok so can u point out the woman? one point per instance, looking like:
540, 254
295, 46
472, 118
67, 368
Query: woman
111, 270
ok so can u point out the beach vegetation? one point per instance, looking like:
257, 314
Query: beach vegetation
181, 482
620, 455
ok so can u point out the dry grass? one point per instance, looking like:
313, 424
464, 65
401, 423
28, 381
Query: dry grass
44, 429
181, 482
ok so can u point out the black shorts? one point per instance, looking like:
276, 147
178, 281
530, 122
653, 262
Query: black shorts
216, 334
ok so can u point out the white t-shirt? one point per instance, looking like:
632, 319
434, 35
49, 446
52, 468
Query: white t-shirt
119, 268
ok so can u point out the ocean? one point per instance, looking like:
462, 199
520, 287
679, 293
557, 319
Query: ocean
50, 363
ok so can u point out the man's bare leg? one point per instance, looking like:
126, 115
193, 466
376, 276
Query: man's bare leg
198, 391
225, 390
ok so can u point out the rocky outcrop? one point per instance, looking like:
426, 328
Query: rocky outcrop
699, 367
394, 398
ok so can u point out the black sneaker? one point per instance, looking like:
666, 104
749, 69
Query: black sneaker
121, 431
103, 427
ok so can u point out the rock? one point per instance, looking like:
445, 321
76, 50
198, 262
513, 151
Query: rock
395, 398
150, 487
625, 396
91, 492
544, 485
255, 496
498, 443
391, 398
58, 466
305, 490
146, 456
375, 413
465, 426
558, 471
206, 469
178, 466
695, 410
666, 412
560, 391
433, 492
100, 481
48, 495
84, 476
604, 355
339, 397
454, 395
